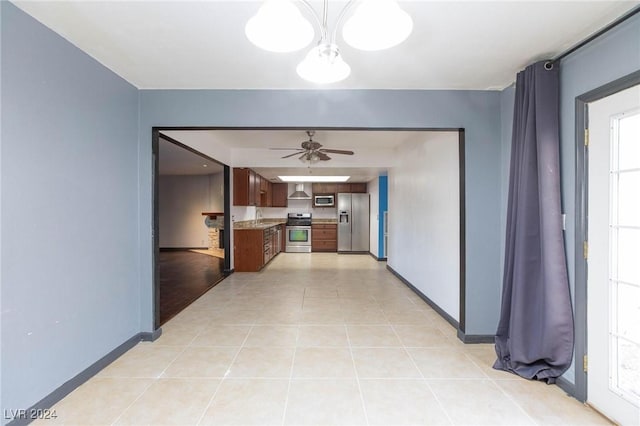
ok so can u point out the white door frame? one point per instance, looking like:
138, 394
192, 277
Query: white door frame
579, 389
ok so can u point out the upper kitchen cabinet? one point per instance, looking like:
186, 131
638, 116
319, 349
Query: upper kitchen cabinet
343, 187
245, 187
359, 187
324, 188
251, 189
266, 195
279, 194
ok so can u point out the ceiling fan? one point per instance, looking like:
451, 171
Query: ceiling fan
312, 151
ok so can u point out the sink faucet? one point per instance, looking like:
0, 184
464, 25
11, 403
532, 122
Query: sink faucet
258, 216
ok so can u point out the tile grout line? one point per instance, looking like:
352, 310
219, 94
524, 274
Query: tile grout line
353, 361
154, 380
293, 361
513, 401
224, 377
424, 379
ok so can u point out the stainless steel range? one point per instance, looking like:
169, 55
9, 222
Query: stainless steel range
298, 230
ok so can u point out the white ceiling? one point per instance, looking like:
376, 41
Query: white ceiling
201, 44
176, 160
374, 150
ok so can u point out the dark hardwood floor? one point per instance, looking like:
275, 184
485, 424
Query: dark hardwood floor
185, 276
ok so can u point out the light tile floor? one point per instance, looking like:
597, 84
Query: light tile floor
313, 340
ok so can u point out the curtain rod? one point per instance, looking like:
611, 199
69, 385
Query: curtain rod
594, 36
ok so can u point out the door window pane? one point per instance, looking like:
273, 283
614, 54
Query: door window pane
629, 199
629, 369
624, 269
629, 141
629, 312
628, 251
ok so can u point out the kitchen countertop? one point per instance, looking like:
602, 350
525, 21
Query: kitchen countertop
268, 223
250, 224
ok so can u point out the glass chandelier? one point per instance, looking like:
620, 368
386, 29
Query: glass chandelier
279, 26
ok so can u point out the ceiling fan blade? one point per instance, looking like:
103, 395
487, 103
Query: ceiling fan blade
337, 151
291, 155
282, 149
322, 156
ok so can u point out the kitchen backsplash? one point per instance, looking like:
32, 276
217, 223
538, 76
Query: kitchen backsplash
240, 213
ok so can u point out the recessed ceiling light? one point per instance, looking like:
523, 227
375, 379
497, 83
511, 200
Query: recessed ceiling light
314, 178
205, 165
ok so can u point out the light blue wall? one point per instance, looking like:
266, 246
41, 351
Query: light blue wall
476, 111
383, 205
606, 59
507, 98
611, 56
70, 285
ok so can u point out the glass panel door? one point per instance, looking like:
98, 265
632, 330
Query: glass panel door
613, 264
624, 270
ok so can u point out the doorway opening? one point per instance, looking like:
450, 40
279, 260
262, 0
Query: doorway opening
260, 149
189, 202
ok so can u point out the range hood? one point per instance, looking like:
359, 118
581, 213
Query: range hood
299, 193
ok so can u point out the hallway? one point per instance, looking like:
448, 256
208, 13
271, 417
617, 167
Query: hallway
313, 339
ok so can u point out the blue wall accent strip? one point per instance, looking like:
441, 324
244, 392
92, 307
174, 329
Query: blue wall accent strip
383, 203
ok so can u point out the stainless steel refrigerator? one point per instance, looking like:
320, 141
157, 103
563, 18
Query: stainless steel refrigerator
353, 222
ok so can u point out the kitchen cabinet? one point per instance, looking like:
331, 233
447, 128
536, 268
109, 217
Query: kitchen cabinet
264, 184
256, 188
323, 188
255, 247
359, 187
343, 187
248, 250
266, 197
279, 194
283, 236
324, 237
251, 189
244, 187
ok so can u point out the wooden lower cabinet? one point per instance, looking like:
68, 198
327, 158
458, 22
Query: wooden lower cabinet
254, 248
324, 237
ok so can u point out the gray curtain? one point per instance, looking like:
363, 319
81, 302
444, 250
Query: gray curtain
535, 333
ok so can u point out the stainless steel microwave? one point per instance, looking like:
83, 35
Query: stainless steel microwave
324, 200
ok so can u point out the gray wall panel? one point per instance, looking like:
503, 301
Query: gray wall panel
70, 285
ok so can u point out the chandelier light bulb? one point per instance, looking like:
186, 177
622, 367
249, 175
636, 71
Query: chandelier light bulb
377, 25
324, 65
278, 26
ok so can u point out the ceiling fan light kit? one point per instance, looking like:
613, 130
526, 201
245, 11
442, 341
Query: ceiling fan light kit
278, 26
312, 152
